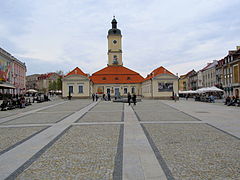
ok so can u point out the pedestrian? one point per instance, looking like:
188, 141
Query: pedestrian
69, 96
96, 97
134, 98
104, 98
109, 97
93, 97
175, 97
129, 99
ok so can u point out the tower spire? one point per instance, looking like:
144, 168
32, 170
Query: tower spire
114, 23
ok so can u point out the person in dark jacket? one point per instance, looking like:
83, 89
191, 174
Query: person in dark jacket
134, 98
129, 99
93, 97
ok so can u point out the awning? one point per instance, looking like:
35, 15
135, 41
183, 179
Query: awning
209, 89
6, 86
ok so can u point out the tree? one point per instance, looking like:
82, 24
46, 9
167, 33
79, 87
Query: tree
54, 85
59, 83
50, 86
60, 72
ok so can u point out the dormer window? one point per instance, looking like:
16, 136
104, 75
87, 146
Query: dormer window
128, 78
104, 78
116, 78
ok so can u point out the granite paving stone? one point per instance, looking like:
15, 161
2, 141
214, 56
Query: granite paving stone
94, 116
39, 118
108, 106
74, 105
83, 152
10, 136
197, 151
164, 116
27, 108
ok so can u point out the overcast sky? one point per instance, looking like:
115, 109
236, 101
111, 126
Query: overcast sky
181, 35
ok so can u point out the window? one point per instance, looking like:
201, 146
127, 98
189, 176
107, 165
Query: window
133, 89
80, 89
104, 78
128, 78
125, 90
116, 78
70, 89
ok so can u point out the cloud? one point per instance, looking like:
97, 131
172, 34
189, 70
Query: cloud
180, 35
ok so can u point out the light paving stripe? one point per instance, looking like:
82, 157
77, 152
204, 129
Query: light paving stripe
9, 118
172, 122
26, 125
139, 160
14, 160
98, 123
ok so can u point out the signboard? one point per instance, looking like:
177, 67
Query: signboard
100, 89
4, 70
165, 87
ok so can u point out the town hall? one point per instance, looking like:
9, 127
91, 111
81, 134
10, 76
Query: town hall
117, 80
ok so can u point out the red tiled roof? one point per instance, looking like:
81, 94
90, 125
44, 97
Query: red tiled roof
160, 70
116, 75
78, 71
45, 76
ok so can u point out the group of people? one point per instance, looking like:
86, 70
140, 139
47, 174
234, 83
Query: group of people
133, 98
95, 96
232, 101
14, 101
19, 101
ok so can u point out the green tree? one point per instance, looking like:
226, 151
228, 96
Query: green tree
50, 86
59, 83
60, 72
54, 85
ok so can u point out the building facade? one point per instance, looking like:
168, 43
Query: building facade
209, 74
32, 81
117, 80
44, 81
12, 73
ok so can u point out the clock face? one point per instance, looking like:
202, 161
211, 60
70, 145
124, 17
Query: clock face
114, 41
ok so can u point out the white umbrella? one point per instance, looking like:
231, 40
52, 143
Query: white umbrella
209, 89
187, 92
32, 91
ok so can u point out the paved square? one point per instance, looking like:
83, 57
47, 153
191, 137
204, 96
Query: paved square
81, 139
196, 151
40, 118
11, 136
83, 152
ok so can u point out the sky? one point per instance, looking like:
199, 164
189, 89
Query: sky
52, 35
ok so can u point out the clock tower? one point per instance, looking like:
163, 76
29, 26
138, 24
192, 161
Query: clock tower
114, 45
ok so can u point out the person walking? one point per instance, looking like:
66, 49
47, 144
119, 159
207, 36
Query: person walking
93, 97
129, 99
175, 97
109, 97
134, 98
96, 97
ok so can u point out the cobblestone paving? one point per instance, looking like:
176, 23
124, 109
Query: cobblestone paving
163, 116
83, 152
108, 106
154, 110
73, 105
39, 118
10, 136
94, 116
28, 108
197, 151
